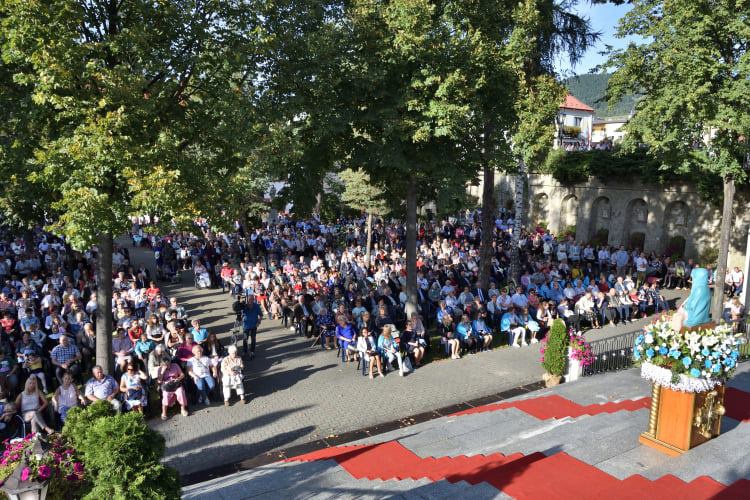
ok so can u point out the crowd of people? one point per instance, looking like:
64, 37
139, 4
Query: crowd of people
313, 278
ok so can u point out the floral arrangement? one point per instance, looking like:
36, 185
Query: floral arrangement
59, 464
580, 350
694, 361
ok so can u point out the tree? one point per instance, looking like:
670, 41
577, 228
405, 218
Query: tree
407, 104
361, 194
138, 108
695, 104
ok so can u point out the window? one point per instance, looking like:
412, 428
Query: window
578, 121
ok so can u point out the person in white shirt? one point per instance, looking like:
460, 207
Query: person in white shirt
641, 266
737, 280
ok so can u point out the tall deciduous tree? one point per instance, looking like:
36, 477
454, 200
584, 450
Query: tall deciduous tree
408, 105
693, 70
139, 107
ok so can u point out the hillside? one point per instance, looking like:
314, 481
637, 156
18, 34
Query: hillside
591, 89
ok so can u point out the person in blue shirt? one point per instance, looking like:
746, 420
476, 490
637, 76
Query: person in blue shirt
465, 335
326, 326
346, 337
251, 318
199, 334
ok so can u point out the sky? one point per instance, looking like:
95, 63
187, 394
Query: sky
604, 18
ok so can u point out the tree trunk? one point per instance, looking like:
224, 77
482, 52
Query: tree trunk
520, 218
104, 304
369, 241
411, 248
717, 302
488, 226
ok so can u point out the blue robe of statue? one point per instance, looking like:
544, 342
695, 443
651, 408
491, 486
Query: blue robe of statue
698, 304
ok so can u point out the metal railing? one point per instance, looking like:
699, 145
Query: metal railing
612, 354
616, 353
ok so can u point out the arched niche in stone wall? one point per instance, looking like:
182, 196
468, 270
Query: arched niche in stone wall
675, 228
540, 209
600, 217
636, 221
569, 212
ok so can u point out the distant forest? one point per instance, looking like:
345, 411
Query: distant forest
592, 89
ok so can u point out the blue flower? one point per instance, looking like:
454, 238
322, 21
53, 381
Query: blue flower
694, 372
639, 339
674, 354
687, 361
705, 351
663, 351
637, 354
716, 368
729, 362
650, 353
708, 363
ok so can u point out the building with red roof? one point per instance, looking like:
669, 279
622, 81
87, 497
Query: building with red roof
574, 124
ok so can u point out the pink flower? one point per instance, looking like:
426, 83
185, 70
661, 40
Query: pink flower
44, 471
78, 467
25, 474
71, 477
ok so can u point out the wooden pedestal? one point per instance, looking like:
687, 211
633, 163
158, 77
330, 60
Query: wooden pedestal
680, 421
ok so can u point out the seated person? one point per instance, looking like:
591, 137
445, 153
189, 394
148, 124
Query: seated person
103, 387
122, 348
170, 379
414, 345
184, 351
465, 335
449, 339
346, 338
66, 397
389, 350
232, 378
525, 319
133, 388
326, 326
199, 334
8, 373
66, 357
367, 345
482, 332
199, 368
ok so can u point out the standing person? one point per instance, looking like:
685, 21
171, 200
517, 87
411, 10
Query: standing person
251, 318
232, 378
303, 317
31, 404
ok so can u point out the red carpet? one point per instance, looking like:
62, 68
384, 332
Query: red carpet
736, 402
545, 407
534, 476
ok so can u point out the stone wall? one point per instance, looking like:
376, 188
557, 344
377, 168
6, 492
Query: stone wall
629, 212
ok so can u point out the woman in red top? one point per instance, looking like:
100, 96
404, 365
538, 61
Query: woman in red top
152, 292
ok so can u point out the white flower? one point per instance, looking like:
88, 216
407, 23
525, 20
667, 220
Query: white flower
649, 338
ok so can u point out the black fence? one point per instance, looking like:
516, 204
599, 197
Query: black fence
612, 354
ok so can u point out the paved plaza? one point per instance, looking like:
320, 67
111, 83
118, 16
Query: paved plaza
301, 395
578, 440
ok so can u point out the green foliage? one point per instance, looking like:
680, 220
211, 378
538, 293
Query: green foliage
555, 349
709, 256
592, 90
122, 454
361, 194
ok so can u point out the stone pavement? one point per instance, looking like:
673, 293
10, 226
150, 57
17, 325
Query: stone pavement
300, 395
577, 440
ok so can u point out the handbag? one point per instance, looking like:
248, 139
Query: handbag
172, 385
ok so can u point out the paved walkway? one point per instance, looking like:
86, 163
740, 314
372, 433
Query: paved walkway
301, 395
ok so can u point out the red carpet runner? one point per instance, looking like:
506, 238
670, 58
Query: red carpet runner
533, 476
737, 405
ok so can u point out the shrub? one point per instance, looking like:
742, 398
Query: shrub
554, 348
122, 455
709, 256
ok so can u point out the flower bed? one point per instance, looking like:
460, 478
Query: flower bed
693, 361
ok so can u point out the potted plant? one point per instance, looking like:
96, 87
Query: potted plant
554, 355
32, 467
580, 355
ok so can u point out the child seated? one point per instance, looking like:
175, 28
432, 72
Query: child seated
34, 367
